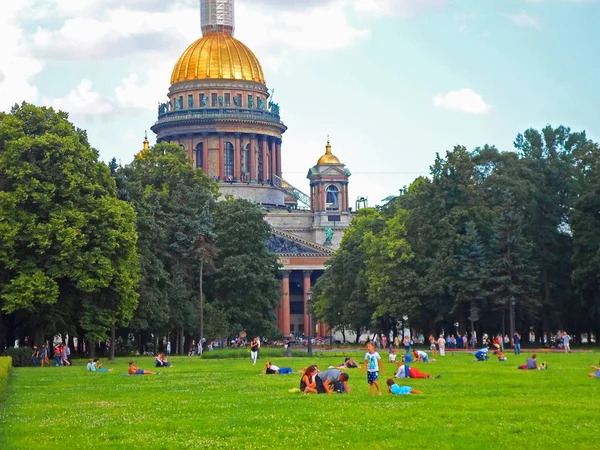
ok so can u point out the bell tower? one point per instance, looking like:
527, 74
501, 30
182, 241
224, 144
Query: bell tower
329, 198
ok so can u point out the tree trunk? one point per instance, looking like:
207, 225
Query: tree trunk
201, 299
91, 347
111, 353
182, 341
177, 344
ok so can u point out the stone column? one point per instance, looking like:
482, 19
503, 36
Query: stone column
237, 162
253, 145
265, 159
221, 157
285, 302
191, 151
205, 153
278, 151
273, 165
323, 198
307, 274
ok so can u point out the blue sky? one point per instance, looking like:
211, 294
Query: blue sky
391, 81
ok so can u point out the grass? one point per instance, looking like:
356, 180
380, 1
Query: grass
225, 404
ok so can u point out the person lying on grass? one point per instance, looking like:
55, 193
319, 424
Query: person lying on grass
308, 384
531, 364
404, 371
394, 389
162, 361
595, 374
348, 363
135, 371
272, 369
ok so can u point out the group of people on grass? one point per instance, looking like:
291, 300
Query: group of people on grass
41, 357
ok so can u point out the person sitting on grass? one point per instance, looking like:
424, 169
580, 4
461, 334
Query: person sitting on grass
272, 369
482, 355
161, 361
531, 364
500, 355
392, 357
308, 384
135, 371
595, 374
97, 367
421, 356
348, 363
394, 389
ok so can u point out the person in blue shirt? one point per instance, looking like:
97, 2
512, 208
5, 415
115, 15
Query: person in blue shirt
516, 339
482, 355
394, 389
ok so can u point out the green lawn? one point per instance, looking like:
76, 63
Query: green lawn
226, 404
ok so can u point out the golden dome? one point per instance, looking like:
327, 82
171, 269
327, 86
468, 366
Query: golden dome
328, 157
218, 56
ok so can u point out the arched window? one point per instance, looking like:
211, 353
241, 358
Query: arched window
229, 159
332, 199
200, 156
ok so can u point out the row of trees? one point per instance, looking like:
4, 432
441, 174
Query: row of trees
93, 251
486, 227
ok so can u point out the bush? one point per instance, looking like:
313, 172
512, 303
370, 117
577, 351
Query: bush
5, 365
274, 352
21, 356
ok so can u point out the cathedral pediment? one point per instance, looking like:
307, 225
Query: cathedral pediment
286, 244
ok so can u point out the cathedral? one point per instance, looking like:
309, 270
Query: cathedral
220, 111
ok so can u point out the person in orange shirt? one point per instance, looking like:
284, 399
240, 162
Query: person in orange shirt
135, 371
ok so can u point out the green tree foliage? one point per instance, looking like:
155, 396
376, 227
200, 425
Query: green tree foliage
244, 285
64, 236
342, 298
485, 227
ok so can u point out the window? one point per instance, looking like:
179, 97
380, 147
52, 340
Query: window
239, 100
214, 98
190, 101
250, 101
200, 155
202, 102
332, 198
227, 100
229, 159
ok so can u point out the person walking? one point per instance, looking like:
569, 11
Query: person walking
516, 341
442, 345
254, 350
566, 340
168, 348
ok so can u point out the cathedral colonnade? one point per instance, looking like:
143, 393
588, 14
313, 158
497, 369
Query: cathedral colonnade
235, 156
292, 314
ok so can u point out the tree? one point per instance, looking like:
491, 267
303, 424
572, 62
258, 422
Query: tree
63, 233
244, 284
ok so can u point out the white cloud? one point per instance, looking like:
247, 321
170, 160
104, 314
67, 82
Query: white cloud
523, 19
18, 64
466, 100
81, 101
397, 7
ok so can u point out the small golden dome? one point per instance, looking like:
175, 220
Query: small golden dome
328, 157
218, 56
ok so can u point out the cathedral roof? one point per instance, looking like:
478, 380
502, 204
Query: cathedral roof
218, 55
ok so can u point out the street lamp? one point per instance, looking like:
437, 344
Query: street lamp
309, 310
512, 316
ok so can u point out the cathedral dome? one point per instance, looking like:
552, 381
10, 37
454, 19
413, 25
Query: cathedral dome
328, 157
218, 56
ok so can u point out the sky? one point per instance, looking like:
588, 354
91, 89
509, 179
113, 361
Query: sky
392, 82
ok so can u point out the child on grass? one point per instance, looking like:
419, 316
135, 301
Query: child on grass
394, 389
500, 355
372, 363
595, 374
392, 357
